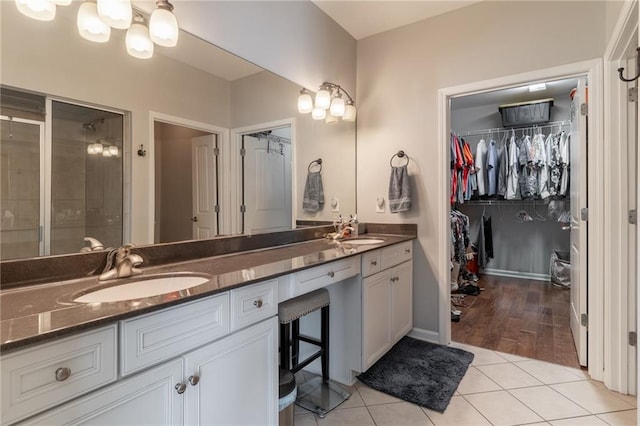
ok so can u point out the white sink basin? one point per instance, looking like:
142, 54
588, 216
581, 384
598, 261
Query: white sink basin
144, 287
362, 241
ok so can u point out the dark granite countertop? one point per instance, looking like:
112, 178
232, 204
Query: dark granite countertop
37, 313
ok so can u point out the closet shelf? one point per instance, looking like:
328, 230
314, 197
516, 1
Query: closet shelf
512, 202
517, 129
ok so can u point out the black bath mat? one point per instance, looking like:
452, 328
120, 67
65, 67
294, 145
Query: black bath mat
420, 372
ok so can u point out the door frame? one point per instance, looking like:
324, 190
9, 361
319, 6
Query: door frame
594, 270
221, 133
616, 259
235, 162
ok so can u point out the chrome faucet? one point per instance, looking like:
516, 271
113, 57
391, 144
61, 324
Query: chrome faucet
94, 245
121, 263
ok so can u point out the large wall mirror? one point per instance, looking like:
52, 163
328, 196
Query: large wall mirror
225, 150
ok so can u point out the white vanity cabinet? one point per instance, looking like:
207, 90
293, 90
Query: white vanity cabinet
387, 299
185, 365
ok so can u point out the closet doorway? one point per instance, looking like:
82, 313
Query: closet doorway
520, 310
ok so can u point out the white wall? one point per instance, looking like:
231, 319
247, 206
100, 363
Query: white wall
399, 74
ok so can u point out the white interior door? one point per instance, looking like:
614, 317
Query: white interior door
267, 185
578, 197
204, 177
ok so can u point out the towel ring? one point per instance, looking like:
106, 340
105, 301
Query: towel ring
317, 162
399, 154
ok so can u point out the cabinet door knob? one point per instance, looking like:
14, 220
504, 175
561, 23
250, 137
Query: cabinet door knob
407, 250
374, 262
257, 303
63, 374
181, 387
194, 219
331, 274
194, 380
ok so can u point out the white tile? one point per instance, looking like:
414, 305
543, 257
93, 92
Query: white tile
548, 403
355, 400
305, 420
579, 421
549, 373
458, 413
475, 381
372, 397
358, 416
631, 399
592, 396
512, 357
502, 408
509, 376
399, 414
482, 356
621, 418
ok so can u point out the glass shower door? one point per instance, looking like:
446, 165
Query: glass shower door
21, 188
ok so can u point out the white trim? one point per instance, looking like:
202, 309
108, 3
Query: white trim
516, 274
593, 70
615, 254
235, 165
221, 133
422, 334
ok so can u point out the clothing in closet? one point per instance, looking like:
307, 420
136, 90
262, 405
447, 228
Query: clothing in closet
481, 167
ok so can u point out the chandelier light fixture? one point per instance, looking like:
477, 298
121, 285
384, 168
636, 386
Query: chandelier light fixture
328, 104
96, 18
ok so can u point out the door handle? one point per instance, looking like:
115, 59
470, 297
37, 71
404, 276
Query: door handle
194, 219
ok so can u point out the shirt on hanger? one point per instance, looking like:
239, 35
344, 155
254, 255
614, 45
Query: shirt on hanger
481, 171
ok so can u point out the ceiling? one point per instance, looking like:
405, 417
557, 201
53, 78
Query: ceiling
363, 18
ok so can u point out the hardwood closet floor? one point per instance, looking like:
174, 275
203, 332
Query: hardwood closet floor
518, 316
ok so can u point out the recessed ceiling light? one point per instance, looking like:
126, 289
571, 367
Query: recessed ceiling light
537, 87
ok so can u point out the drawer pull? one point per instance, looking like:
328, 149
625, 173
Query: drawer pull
257, 303
374, 262
194, 380
331, 274
394, 279
181, 387
407, 250
63, 374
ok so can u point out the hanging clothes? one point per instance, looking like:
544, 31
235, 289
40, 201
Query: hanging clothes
503, 161
513, 189
565, 142
481, 170
493, 168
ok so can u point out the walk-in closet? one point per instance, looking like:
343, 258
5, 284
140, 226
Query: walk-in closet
512, 182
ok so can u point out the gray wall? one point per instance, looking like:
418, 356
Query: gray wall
399, 74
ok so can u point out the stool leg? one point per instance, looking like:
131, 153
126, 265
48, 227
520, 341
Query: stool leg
295, 342
284, 346
324, 339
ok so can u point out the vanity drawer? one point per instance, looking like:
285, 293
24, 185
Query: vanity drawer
396, 254
149, 339
371, 262
253, 303
325, 275
38, 378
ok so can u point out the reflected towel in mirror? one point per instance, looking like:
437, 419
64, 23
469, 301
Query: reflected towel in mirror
313, 198
399, 194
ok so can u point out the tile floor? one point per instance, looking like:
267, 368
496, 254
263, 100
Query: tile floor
498, 389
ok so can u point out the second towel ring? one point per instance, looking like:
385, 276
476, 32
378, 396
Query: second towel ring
399, 154
317, 162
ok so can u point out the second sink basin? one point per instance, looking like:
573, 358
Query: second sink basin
152, 285
362, 241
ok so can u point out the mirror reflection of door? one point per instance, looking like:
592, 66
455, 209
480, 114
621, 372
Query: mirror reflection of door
186, 193
267, 195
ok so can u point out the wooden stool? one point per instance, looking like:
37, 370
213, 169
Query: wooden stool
289, 314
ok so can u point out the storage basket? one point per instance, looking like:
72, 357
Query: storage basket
560, 268
526, 113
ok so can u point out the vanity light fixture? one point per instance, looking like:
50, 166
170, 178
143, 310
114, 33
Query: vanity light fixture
163, 25
115, 13
90, 26
42, 10
139, 44
329, 104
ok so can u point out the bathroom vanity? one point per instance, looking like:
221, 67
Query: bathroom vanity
205, 355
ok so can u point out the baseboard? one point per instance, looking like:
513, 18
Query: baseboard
516, 274
422, 334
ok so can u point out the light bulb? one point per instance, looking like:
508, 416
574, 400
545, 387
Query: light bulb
90, 149
337, 106
113, 150
319, 113
90, 26
305, 103
349, 113
106, 153
163, 28
42, 10
116, 13
139, 44
331, 119
98, 148
323, 98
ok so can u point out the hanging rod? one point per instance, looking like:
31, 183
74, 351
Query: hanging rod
533, 201
270, 137
503, 129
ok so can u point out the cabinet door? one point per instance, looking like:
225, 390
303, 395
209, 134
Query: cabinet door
149, 398
401, 300
375, 318
235, 380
